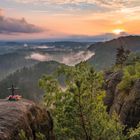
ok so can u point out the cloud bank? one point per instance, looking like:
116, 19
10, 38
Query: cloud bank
70, 59
95, 38
11, 25
106, 3
82, 7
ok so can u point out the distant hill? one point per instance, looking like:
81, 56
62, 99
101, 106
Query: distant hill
105, 51
13, 54
27, 80
10, 62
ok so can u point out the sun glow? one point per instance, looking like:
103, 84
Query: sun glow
118, 31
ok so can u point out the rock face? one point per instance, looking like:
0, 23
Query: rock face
125, 103
111, 82
24, 115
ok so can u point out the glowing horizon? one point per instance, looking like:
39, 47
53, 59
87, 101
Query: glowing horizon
33, 19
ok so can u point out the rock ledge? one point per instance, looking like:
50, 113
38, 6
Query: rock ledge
24, 115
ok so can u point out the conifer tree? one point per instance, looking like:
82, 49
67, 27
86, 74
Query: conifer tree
121, 56
78, 111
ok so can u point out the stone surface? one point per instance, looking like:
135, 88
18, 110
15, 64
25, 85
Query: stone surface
125, 103
26, 115
111, 82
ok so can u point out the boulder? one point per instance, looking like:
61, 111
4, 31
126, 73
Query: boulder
24, 115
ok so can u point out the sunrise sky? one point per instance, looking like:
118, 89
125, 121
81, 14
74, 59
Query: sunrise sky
34, 19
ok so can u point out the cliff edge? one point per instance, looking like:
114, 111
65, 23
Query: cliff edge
125, 103
24, 115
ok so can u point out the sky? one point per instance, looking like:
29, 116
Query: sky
46, 19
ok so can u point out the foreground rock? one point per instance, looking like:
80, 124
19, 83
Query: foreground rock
125, 103
24, 115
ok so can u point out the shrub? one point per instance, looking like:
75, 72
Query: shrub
134, 134
40, 136
22, 135
131, 74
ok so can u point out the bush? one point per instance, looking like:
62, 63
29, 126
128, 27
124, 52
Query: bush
22, 135
131, 74
40, 136
134, 134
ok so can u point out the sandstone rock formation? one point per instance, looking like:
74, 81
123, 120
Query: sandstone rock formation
24, 115
125, 103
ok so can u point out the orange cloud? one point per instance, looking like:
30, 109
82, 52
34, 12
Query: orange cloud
108, 3
1, 12
79, 17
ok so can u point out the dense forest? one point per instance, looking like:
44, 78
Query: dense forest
24, 73
27, 80
79, 111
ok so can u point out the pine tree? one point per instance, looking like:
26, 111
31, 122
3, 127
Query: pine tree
121, 56
78, 111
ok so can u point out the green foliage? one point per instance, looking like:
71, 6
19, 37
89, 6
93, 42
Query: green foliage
121, 56
133, 58
134, 134
131, 73
78, 111
22, 135
40, 136
51, 87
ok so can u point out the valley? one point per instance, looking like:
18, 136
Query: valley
23, 65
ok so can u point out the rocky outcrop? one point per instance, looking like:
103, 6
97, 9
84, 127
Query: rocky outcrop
24, 115
111, 82
125, 103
